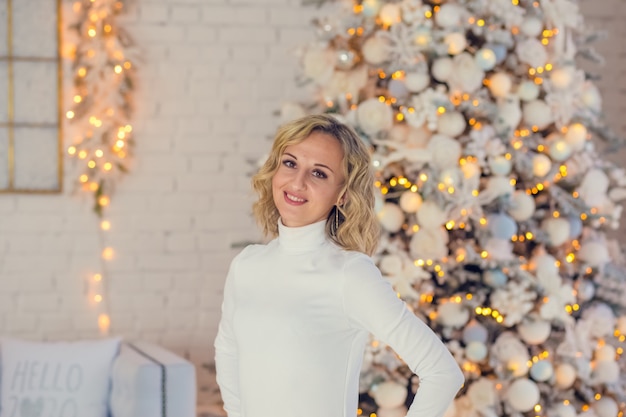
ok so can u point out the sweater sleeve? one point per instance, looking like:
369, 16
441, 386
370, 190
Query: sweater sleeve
371, 304
226, 355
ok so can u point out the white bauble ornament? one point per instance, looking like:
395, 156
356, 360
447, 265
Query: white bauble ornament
557, 230
442, 69
476, 351
528, 91
452, 314
544, 264
374, 116
534, 332
509, 113
389, 394
450, 177
517, 365
500, 165
451, 124
606, 372
541, 165
495, 278
591, 96
445, 150
532, 27
541, 371
621, 324
565, 375
456, 42
370, 8
485, 58
345, 59
416, 81
391, 412
430, 215
605, 407
375, 50
391, 217
449, 16
559, 150
523, 395
594, 253
501, 226
605, 353
500, 84
390, 13
562, 410
522, 206
499, 186
576, 136
537, 113
475, 332
561, 78
410, 202
390, 264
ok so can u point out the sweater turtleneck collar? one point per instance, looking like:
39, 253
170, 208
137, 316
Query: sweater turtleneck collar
302, 238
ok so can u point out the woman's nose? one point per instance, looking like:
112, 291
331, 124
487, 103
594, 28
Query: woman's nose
299, 181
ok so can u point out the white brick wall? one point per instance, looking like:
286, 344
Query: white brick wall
213, 73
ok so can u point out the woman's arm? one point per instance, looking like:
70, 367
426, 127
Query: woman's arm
371, 304
226, 358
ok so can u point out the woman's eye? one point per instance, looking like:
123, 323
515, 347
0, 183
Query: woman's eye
289, 163
319, 174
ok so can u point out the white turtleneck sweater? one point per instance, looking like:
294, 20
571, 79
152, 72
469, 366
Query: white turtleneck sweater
295, 320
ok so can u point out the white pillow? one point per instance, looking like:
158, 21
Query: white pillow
56, 379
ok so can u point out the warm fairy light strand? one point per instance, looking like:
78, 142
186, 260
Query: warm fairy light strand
102, 60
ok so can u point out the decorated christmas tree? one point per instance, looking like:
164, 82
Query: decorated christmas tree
494, 198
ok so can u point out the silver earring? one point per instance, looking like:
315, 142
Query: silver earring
336, 218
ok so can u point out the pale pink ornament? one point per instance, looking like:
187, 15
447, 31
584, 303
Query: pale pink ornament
390, 14
375, 50
500, 84
431, 215
410, 202
389, 394
576, 136
565, 375
541, 165
456, 42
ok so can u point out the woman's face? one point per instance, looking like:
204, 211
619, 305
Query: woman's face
309, 180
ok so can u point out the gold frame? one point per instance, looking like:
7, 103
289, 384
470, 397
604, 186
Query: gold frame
10, 109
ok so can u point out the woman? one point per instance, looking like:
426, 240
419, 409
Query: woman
297, 312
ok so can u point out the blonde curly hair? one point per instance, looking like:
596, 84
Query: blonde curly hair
358, 228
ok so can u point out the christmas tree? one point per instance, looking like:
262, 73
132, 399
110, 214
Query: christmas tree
494, 200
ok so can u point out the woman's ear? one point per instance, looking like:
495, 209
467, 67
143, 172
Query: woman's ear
342, 200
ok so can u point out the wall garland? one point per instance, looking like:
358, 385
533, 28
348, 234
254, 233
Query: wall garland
103, 59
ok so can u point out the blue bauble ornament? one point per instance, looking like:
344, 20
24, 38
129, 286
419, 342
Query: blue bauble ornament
501, 226
485, 58
575, 226
495, 278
